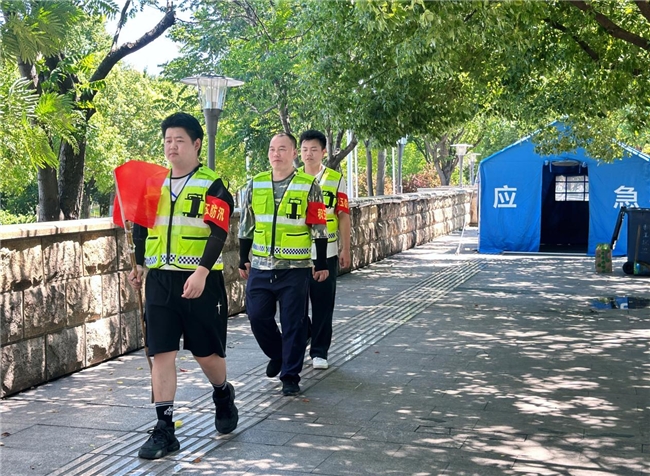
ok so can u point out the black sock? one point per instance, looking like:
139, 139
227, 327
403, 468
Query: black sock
221, 391
165, 412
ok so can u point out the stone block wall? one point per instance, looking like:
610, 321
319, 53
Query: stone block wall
65, 303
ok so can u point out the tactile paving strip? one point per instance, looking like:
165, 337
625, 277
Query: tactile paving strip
257, 396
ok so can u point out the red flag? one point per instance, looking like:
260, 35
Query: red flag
137, 194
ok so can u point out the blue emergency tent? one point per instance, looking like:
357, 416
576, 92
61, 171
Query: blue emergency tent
528, 201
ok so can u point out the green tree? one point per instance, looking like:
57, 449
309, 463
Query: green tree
60, 47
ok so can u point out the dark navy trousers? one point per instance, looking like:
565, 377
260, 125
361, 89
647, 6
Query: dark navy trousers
289, 287
322, 296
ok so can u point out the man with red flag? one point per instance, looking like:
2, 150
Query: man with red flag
185, 292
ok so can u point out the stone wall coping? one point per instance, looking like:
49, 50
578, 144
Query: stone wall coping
362, 202
48, 228
31, 230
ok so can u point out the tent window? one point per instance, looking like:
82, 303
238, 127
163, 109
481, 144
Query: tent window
574, 188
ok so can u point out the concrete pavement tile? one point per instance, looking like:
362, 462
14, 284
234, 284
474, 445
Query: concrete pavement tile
527, 423
442, 439
603, 444
203, 466
557, 451
406, 425
43, 446
403, 461
27, 412
623, 464
237, 455
80, 415
475, 462
302, 417
267, 473
342, 444
443, 419
25, 461
339, 431
264, 437
342, 411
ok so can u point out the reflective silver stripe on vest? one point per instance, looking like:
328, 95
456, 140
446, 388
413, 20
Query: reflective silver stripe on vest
150, 261
177, 220
265, 249
332, 235
330, 183
283, 220
305, 187
285, 251
192, 182
181, 259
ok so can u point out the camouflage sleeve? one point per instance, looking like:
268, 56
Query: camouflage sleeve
316, 195
247, 217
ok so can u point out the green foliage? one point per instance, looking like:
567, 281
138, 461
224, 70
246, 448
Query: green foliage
34, 28
29, 120
7, 218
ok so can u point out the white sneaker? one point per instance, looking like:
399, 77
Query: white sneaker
320, 363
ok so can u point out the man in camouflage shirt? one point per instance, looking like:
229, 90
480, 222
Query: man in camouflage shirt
282, 214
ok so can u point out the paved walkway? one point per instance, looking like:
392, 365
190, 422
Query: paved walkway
444, 362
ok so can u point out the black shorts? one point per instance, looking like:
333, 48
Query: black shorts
202, 322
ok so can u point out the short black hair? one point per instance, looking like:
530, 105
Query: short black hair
290, 136
313, 134
185, 121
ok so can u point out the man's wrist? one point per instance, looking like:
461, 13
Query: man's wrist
202, 271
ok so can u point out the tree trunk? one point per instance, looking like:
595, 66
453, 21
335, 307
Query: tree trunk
369, 167
71, 178
48, 203
67, 197
336, 155
381, 171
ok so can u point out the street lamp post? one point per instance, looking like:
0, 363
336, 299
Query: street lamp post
212, 95
401, 144
472, 164
461, 150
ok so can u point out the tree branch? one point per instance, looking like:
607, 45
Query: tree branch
111, 59
583, 44
644, 8
126, 49
120, 24
612, 28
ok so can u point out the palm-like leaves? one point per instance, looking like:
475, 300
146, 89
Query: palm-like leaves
34, 29
29, 120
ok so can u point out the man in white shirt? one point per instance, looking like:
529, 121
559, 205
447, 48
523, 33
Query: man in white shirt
313, 147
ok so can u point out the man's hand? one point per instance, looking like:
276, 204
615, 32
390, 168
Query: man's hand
195, 283
344, 259
243, 273
135, 277
320, 276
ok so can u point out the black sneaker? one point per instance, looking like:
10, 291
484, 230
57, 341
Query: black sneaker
161, 442
226, 415
273, 368
290, 388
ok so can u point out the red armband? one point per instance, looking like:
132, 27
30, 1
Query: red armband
218, 212
316, 213
342, 204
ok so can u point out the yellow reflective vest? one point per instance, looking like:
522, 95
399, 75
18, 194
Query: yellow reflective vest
282, 231
329, 184
179, 236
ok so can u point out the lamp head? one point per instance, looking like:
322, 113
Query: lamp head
212, 89
461, 149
